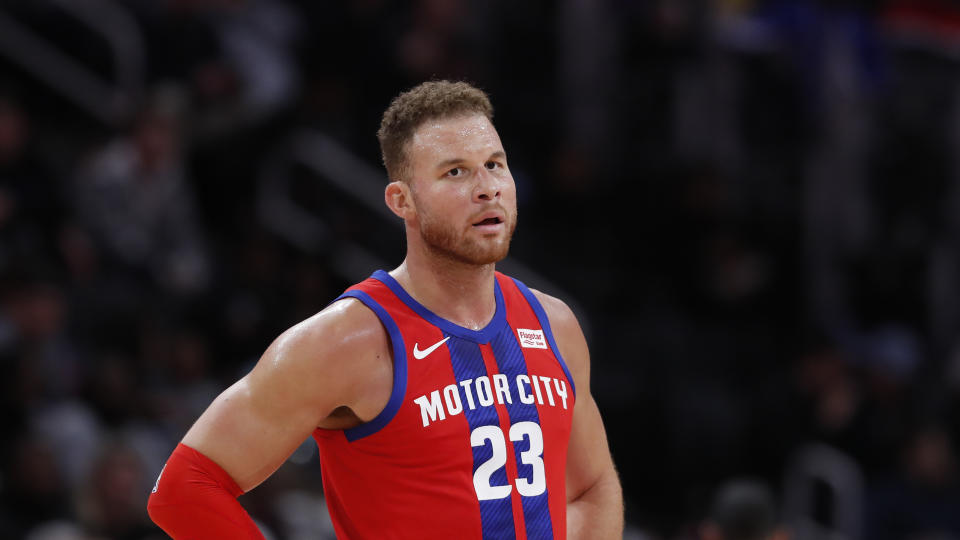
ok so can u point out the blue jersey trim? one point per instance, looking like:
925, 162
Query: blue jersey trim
545, 324
477, 336
399, 369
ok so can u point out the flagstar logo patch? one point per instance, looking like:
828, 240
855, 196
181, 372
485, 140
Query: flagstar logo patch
531, 339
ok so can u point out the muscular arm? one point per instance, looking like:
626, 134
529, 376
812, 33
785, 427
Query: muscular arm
594, 496
338, 358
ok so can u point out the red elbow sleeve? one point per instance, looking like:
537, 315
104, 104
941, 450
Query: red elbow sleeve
194, 498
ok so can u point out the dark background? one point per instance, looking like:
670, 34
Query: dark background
753, 207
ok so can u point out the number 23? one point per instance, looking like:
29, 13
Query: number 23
533, 457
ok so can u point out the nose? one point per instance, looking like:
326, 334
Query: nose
488, 187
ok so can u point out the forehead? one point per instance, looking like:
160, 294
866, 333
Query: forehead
457, 137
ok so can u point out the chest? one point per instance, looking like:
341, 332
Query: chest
504, 395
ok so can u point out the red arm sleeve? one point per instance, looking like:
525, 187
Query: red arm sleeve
196, 499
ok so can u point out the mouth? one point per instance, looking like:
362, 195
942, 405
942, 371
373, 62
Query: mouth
496, 220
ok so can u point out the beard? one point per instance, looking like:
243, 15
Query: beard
446, 241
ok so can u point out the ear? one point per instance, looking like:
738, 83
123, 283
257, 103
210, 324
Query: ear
398, 199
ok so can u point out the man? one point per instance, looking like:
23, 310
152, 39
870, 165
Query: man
447, 400
742, 509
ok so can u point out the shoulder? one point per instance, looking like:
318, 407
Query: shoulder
568, 335
342, 326
341, 344
562, 318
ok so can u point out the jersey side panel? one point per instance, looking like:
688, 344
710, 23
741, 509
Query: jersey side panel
409, 478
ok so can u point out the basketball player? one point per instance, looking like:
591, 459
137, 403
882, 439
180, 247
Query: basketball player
447, 400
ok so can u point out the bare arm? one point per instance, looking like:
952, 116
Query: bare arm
594, 496
337, 358
332, 370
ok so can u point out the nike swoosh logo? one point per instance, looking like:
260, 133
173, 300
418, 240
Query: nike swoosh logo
420, 355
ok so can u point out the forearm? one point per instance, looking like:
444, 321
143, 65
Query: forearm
195, 498
597, 513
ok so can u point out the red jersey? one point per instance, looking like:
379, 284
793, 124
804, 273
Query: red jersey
473, 441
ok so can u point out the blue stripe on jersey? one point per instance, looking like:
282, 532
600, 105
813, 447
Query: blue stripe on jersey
496, 515
399, 369
545, 324
510, 362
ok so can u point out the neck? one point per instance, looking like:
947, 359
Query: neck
460, 292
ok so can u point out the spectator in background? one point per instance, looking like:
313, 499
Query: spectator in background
33, 315
255, 76
34, 489
112, 502
30, 204
921, 500
439, 39
742, 510
134, 196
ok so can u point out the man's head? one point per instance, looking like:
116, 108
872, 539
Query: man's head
450, 180
742, 509
428, 101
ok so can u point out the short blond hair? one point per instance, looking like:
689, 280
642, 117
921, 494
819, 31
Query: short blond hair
427, 101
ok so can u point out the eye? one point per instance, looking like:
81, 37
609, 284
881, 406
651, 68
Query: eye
491, 165
456, 171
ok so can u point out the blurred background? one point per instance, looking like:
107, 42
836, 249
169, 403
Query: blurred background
753, 207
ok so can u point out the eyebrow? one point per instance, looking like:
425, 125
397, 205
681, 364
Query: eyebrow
453, 161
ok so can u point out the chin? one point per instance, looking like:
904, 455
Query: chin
491, 258
466, 248
473, 254
482, 259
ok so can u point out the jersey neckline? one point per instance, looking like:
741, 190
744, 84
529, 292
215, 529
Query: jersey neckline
484, 335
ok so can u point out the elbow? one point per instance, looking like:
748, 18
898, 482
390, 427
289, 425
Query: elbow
606, 485
157, 508
154, 504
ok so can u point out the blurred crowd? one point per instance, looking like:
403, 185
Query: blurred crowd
754, 206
